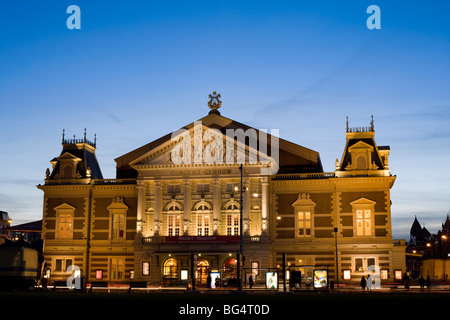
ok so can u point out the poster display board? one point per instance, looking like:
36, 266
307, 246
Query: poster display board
271, 280
215, 280
320, 279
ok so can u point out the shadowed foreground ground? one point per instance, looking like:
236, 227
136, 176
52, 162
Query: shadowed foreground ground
175, 305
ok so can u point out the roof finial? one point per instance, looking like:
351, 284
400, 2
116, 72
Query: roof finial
214, 103
346, 123
372, 127
84, 135
63, 135
95, 140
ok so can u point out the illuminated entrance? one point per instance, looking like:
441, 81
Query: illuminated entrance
202, 271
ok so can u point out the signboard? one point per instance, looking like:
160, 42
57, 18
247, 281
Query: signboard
215, 280
200, 239
271, 280
320, 279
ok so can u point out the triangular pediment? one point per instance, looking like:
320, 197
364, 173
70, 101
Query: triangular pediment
68, 156
202, 145
159, 152
64, 206
362, 202
361, 145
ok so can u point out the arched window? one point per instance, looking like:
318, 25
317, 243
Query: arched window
67, 173
361, 163
203, 212
230, 268
173, 218
170, 269
232, 218
202, 271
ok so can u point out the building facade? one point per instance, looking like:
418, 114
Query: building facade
179, 205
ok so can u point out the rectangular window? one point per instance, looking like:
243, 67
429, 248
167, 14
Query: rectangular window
61, 264
173, 225
118, 226
145, 268
363, 223
65, 226
174, 188
370, 262
117, 268
304, 224
203, 188
232, 225
203, 224
359, 264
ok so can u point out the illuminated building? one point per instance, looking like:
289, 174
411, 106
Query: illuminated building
159, 221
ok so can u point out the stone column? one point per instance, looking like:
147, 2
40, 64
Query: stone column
246, 204
264, 204
158, 206
216, 205
140, 206
187, 206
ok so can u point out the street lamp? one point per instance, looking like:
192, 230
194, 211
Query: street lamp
337, 262
240, 255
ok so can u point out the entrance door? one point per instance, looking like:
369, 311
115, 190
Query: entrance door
202, 271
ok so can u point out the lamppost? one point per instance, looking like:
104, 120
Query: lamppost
240, 255
337, 262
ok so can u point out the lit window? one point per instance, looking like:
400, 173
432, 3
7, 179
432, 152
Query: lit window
173, 219
170, 268
203, 224
363, 211
304, 224
146, 268
173, 225
359, 264
363, 223
232, 225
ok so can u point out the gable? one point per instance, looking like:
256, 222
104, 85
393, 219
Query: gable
292, 157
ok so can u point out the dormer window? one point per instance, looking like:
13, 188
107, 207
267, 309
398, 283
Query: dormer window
361, 156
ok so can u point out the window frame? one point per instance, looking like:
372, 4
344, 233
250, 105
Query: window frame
303, 204
364, 206
64, 209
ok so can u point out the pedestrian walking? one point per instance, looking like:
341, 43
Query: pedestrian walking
208, 281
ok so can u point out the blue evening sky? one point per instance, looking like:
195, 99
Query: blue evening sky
137, 70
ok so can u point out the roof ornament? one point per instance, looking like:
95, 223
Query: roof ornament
372, 127
214, 103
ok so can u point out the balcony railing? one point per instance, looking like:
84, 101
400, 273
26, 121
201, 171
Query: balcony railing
304, 176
